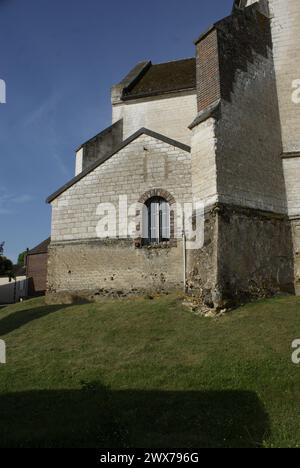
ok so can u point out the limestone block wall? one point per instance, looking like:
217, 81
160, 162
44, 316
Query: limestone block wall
99, 146
296, 246
255, 248
285, 25
144, 164
255, 254
285, 22
250, 238
170, 115
291, 168
202, 264
107, 267
78, 260
249, 144
204, 170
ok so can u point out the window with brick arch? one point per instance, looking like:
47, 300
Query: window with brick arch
157, 225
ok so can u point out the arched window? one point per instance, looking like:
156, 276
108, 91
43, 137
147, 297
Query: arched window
158, 220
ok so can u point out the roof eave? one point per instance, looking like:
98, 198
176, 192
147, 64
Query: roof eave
132, 97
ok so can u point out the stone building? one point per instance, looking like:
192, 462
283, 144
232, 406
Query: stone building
221, 129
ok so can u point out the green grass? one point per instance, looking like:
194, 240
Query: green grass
149, 373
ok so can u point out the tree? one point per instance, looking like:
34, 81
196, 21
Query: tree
6, 266
22, 257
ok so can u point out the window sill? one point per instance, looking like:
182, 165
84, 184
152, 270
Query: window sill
162, 245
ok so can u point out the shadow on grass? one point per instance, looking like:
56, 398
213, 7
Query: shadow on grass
17, 319
97, 417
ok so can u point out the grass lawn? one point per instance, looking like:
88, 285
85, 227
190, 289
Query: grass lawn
149, 373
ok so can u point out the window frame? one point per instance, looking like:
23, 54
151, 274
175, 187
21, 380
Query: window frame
160, 201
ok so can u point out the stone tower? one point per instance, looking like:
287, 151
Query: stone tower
285, 26
245, 152
285, 29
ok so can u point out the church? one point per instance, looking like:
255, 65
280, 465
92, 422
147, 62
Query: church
218, 133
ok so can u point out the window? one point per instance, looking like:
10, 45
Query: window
158, 220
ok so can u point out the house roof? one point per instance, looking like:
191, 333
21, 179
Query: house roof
160, 78
92, 167
41, 248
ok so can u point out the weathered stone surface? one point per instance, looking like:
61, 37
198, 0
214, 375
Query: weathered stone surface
99, 146
97, 268
143, 165
255, 255
244, 166
170, 115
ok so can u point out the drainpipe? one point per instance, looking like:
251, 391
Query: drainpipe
184, 254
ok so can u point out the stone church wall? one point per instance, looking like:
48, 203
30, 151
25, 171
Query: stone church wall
88, 269
285, 23
253, 255
170, 115
79, 261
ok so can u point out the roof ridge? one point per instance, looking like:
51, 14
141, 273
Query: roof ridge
174, 61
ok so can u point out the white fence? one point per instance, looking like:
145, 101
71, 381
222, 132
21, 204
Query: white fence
12, 290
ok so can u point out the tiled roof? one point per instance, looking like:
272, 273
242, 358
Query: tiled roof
163, 78
41, 248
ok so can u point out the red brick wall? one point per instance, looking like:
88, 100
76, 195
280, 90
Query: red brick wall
37, 273
208, 74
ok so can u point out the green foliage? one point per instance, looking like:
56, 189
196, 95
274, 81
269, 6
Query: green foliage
21, 258
6, 266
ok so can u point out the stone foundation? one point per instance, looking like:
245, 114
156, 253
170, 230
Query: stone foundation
89, 269
247, 255
296, 250
202, 263
255, 255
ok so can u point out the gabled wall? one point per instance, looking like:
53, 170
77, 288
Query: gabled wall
169, 115
82, 263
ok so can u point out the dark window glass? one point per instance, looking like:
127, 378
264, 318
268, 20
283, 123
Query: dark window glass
158, 220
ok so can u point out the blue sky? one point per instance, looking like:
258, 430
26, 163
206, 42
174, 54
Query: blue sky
59, 59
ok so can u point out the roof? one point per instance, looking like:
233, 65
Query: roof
41, 248
161, 78
92, 167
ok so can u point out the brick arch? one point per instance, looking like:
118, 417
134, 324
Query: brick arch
157, 193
